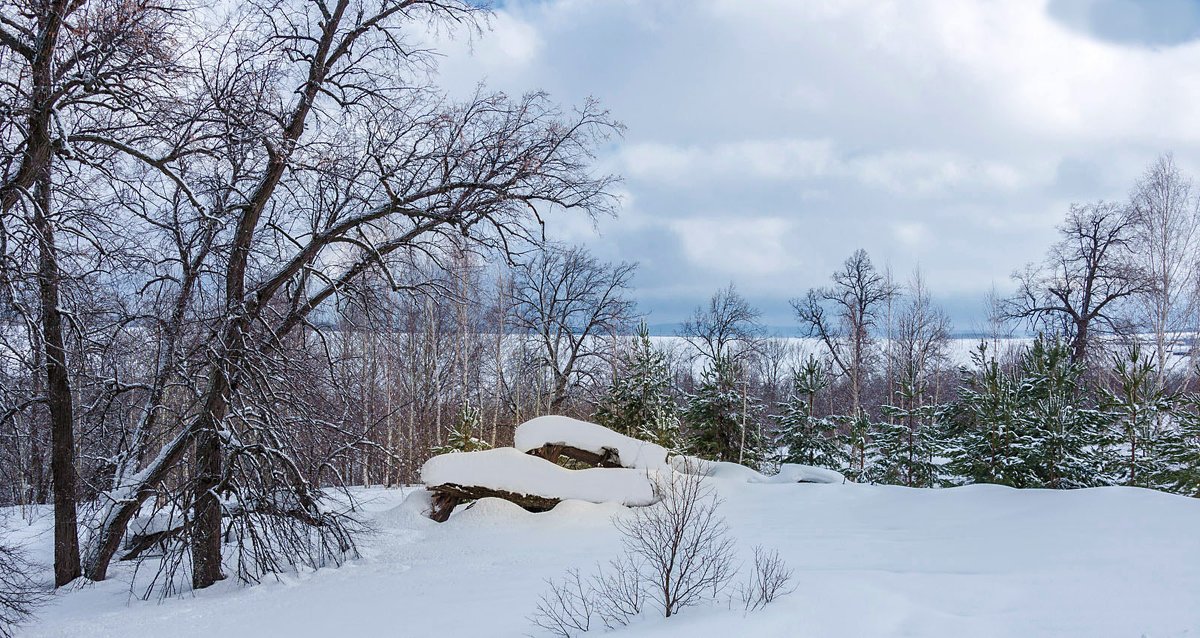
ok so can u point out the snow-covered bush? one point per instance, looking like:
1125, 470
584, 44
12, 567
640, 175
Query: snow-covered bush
461, 434
676, 554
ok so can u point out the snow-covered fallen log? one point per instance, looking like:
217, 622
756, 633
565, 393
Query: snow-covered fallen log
529, 481
788, 473
549, 436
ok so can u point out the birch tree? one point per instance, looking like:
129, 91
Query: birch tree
1166, 236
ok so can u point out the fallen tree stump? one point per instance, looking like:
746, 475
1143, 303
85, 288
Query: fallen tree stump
448, 495
609, 457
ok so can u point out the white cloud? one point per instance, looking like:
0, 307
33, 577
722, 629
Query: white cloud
739, 247
751, 159
953, 132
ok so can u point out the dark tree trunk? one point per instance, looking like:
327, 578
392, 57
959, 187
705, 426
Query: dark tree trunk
207, 467
1079, 346
206, 511
58, 395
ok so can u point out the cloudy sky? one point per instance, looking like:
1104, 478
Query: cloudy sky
768, 139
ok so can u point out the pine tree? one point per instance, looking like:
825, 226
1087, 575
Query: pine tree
1180, 448
1063, 441
640, 403
982, 425
717, 411
804, 438
461, 433
1141, 410
905, 444
1028, 427
858, 450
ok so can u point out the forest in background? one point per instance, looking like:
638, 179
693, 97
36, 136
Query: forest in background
250, 258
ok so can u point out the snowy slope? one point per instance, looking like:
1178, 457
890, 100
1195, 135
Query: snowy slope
872, 561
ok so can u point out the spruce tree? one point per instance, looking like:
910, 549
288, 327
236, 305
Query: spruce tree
461, 433
1063, 440
1029, 427
640, 402
905, 444
858, 449
722, 417
804, 438
1141, 411
982, 425
1180, 449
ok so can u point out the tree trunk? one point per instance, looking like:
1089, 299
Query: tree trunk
206, 506
58, 395
1079, 346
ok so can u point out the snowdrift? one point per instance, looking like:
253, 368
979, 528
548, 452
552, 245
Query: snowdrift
788, 473
625, 469
510, 470
589, 437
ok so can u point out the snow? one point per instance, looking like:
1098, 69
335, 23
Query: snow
796, 473
979, 561
511, 470
788, 472
561, 430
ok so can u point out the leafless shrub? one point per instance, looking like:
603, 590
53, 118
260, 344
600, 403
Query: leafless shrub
770, 579
677, 553
567, 609
621, 593
681, 543
19, 595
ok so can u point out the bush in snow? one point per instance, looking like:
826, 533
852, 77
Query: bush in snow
19, 595
770, 579
461, 433
677, 554
568, 608
680, 545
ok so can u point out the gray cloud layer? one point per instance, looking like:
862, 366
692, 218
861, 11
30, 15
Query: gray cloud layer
769, 139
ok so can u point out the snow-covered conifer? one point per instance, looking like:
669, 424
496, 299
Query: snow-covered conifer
803, 437
722, 417
640, 402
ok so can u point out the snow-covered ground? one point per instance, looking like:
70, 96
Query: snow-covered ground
869, 560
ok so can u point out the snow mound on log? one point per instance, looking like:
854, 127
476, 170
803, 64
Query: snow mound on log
789, 473
796, 473
561, 430
510, 470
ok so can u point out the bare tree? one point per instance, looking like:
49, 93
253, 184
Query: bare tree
1166, 236
322, 159
681, 543
922, 332
570, 302
1075, 292
728, 320
75, 74
858, 294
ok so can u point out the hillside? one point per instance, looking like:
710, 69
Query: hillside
869, 561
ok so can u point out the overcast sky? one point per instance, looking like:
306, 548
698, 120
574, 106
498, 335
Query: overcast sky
768, 139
